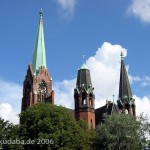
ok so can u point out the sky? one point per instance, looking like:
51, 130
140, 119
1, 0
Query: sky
98, 29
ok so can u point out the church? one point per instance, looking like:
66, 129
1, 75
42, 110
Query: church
37, 87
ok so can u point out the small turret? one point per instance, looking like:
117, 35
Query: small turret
84, 97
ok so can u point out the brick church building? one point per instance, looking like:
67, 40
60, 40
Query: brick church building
37, 87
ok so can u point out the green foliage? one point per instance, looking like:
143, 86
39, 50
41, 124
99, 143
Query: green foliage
121, 132
8, 133
49, 122
3, 128
55, 128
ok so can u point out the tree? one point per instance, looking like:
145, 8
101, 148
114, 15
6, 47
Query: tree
8, 134
3, 127
54, 127
121, 132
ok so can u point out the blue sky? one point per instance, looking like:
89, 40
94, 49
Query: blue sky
74, 28
67, 39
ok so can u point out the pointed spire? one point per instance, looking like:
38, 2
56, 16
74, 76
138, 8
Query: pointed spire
124, 85
39, 54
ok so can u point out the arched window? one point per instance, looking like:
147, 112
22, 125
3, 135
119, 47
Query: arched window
83, 98
126, 111
42, 91
90, 100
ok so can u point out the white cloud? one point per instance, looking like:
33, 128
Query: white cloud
10, 100
67, 7
145, 81
104, 68
105, 73
140, 9
142, 105
64, 93
134, 79
7, 113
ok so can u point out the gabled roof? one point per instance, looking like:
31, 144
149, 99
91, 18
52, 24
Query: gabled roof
39, 54
124, 85
107, 109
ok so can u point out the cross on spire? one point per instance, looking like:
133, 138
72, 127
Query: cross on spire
83, 58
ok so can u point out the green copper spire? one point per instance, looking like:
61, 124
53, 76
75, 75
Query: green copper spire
39, 55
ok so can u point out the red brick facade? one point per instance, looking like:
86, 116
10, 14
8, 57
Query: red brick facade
89, 117
85, 107
37, 88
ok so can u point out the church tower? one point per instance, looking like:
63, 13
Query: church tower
37, 86
84, 97
126, 103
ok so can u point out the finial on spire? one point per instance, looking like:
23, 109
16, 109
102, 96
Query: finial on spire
113, 97
121, 55
113, 104
41, 13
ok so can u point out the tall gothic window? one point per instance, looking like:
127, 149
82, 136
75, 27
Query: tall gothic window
90, 100
42, 90
126, 111
83, 98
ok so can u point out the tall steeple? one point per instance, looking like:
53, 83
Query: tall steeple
126, 101
37, 86
124, 85
39, 55
84, 97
